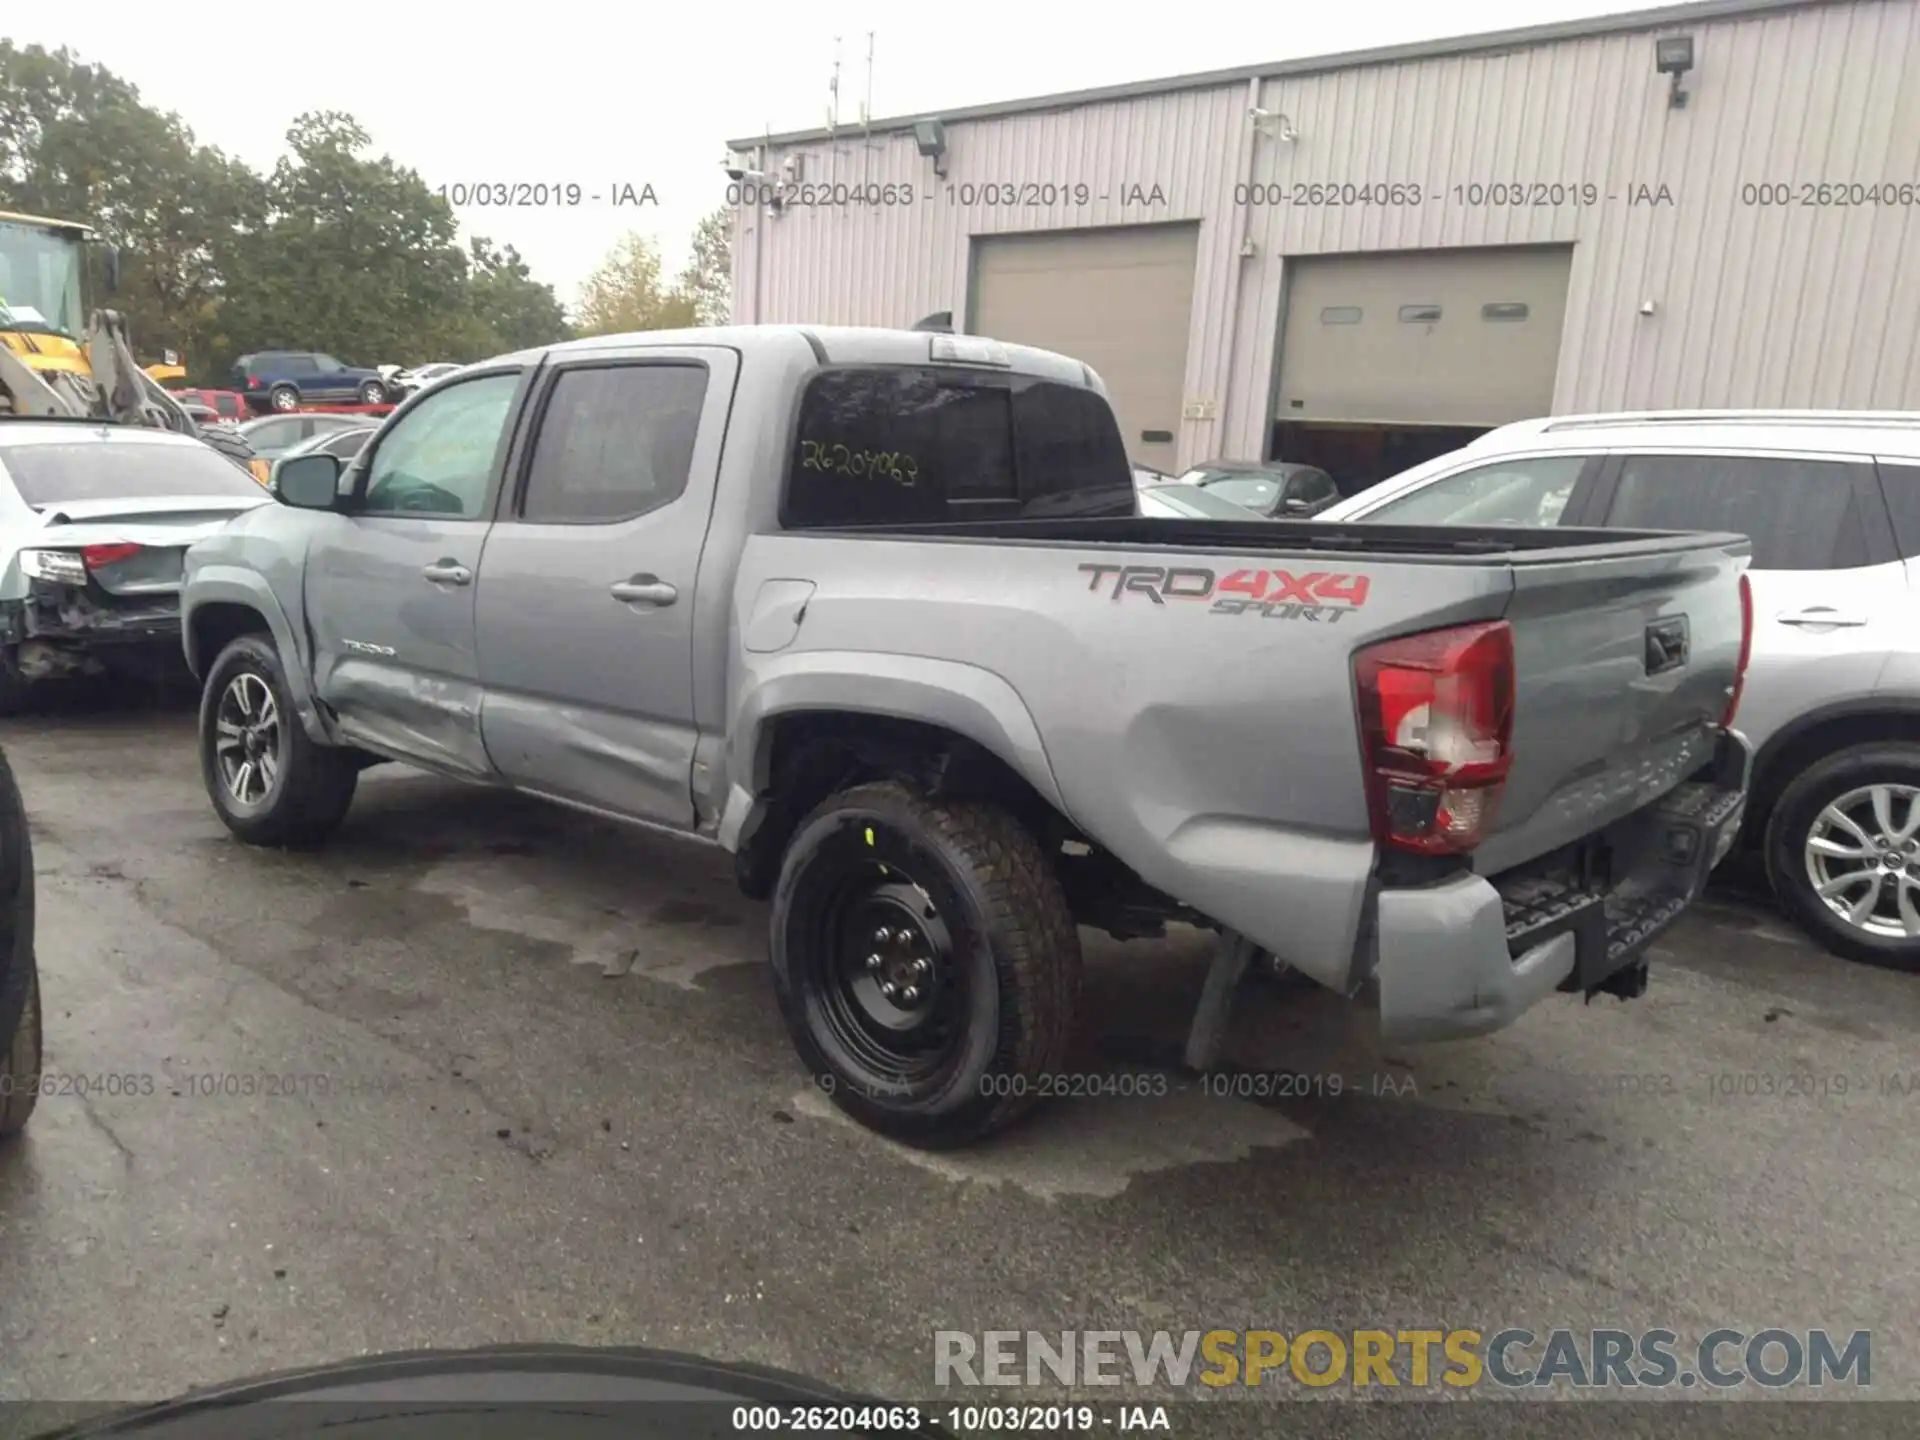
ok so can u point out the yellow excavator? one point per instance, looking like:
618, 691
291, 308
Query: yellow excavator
48, 368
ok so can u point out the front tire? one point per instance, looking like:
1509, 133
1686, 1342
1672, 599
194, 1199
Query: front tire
1843, 853
925, 961
373, 393
269, 781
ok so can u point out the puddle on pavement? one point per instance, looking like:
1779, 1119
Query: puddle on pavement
1093, 1147
504, 894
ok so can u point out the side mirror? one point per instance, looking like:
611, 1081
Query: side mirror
310, 482
1295, 505
113, 269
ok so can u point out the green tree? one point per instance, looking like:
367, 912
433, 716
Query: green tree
358, 257
78, 143
514, 309
626, 293
337, 250
708, 277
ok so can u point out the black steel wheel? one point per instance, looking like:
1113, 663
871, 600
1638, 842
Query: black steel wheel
926, 963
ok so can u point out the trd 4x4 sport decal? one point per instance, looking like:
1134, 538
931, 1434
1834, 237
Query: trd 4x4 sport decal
1320, 595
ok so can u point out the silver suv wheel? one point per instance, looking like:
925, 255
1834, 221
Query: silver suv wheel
1862, 854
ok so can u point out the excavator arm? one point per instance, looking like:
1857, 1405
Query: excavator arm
118, 392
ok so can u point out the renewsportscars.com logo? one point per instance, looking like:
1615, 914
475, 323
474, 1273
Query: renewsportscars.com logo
1510, 1359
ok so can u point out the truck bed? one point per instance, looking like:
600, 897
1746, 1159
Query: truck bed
1209, 739
1436, 542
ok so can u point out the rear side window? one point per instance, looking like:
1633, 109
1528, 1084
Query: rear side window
1902, 486
1529, 490
906, 446
1800, 514
614, 442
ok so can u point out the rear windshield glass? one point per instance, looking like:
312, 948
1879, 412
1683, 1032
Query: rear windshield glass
64, 474
914, 445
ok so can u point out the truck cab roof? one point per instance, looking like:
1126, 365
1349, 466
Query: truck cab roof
841, 345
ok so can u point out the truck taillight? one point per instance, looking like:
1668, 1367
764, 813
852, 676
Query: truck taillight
1436, 721
98, 555
1746, 651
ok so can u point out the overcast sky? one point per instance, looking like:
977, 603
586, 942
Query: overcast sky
637, 93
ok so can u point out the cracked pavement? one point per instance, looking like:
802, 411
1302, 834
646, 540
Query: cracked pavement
484, 1070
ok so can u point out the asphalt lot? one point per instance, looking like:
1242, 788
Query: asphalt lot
558, 1105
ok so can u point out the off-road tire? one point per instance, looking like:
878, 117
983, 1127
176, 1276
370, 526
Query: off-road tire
230, 443
20, 1066
1015, 942
314, 786
1787, 831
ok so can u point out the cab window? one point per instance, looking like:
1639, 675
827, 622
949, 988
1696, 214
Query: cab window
438, 459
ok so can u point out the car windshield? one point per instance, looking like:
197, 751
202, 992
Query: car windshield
1256, 492
143, 470
39, 279
342, 441
1189, 502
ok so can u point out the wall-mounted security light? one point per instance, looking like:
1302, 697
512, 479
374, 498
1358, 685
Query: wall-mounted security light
930, 139
1674, 56
1269, 122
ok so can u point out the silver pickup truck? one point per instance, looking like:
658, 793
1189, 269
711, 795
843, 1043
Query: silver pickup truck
872, 611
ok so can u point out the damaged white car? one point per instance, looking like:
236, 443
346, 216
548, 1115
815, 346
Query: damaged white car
94, 520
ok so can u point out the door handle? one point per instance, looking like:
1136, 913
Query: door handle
644, 590
1820, 616
448, 572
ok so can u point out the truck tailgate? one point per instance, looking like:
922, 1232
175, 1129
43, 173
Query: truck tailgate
1623, 668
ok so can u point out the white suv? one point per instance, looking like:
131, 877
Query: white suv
1831, 501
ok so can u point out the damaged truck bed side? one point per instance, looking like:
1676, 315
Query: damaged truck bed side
870, 610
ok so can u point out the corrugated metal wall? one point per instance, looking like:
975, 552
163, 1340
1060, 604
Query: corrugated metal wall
1756, 304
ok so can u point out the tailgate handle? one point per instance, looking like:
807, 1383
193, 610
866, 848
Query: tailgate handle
1666, 644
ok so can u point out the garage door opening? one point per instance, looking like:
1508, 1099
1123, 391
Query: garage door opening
1118, 300
1358, 456
1388, 360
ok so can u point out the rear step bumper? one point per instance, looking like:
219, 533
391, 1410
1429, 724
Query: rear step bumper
1468, 954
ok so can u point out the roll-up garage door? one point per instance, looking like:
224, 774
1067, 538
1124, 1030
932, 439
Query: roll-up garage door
1436, 337
1120, 300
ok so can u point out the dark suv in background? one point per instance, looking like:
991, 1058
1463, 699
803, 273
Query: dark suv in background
286, 379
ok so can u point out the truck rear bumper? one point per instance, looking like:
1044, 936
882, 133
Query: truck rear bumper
1466, 955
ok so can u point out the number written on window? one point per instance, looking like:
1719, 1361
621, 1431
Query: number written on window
894, 465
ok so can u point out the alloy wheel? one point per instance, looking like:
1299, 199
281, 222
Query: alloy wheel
1862, 855
247, 739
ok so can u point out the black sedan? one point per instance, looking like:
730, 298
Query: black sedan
1277, 489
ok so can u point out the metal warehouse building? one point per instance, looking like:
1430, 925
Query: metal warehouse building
1362, 260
